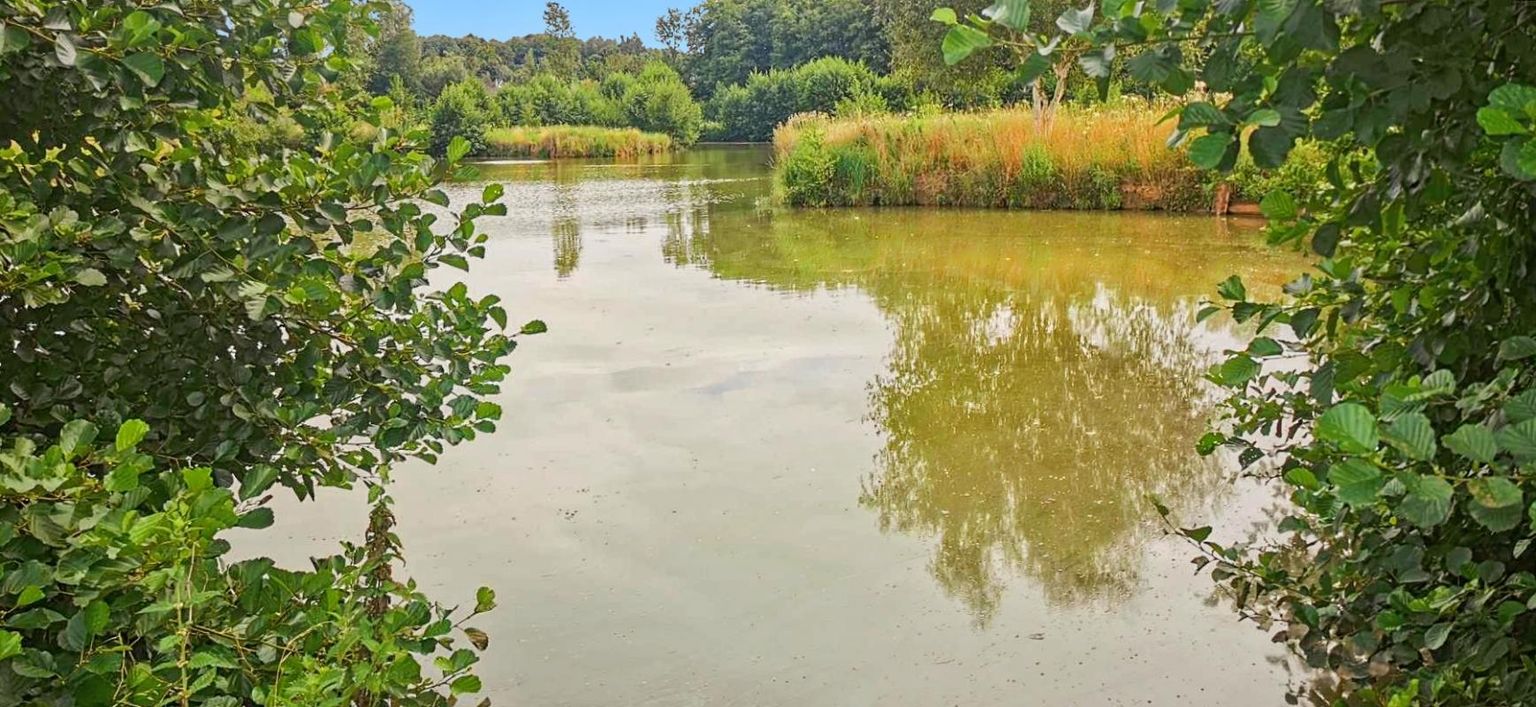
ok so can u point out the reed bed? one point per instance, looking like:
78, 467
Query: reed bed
558, 141
1087, 158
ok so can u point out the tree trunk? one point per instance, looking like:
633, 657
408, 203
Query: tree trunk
1061, 70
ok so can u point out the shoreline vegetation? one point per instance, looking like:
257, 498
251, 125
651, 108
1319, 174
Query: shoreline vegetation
569, 141
1105, 157
1086, 158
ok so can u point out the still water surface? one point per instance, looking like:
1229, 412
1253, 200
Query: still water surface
872, 457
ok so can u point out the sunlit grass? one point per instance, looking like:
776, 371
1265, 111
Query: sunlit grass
1087, 158
559, 141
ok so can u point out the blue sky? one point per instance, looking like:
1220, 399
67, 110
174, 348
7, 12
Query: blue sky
500, 19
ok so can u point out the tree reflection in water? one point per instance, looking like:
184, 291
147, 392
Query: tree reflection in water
1045, 376
1025, 432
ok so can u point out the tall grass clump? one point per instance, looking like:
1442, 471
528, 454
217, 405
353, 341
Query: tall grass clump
1102, 157
557, 141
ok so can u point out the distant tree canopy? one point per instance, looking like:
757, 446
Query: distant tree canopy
728, 40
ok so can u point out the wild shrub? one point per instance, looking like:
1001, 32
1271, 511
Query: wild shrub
462, 110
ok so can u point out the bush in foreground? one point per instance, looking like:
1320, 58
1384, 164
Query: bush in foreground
559, 141
1101, 158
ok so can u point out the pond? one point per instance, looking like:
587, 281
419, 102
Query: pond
865, 457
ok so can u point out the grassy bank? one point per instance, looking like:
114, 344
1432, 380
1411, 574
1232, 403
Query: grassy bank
573, 141
1099, 158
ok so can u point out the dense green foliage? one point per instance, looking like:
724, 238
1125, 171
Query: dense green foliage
445, 60
116, 594
463, 111
243, 316
750, 111
729, 40
654, 100
1407, 444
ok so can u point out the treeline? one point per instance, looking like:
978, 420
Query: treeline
654, 101
725, 70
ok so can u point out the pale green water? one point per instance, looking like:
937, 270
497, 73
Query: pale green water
891, 457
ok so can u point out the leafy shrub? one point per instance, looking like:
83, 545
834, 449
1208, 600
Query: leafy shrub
462, 110
750, 112
807, 170
659, 102
1301, 175
264, 312
116, 591
861, 105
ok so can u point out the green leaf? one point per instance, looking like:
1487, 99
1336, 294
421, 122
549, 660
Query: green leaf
1512, 98
1413, 435
75, 437
10, 644
197, 479
536, 326
492, 193
1270, 147
465, 685
64, 48
1326, 241
1208, 151
458, 147
1303, 477
946, 15
1076, 21
1351, 426
1099, 63
1428, 501
1436, 635
84, 626
259, 479
1208, 443
1497, 503
457, 261
1519, 440
1235, 372
5, 413
1266, 117
485, 600
1496, 122
1232, 289
1359, 481
961, 41
124, 477
1522, 407
13, 39
1013, 14
130, 433
1303, 321
90, 277
1514, 158
1441, 382
1264, 346
150, 68
1278, 205
256, 519
1200, 114
1517, 348
1474, 442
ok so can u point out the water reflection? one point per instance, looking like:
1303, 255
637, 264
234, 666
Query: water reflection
1040, 385
1044, 370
